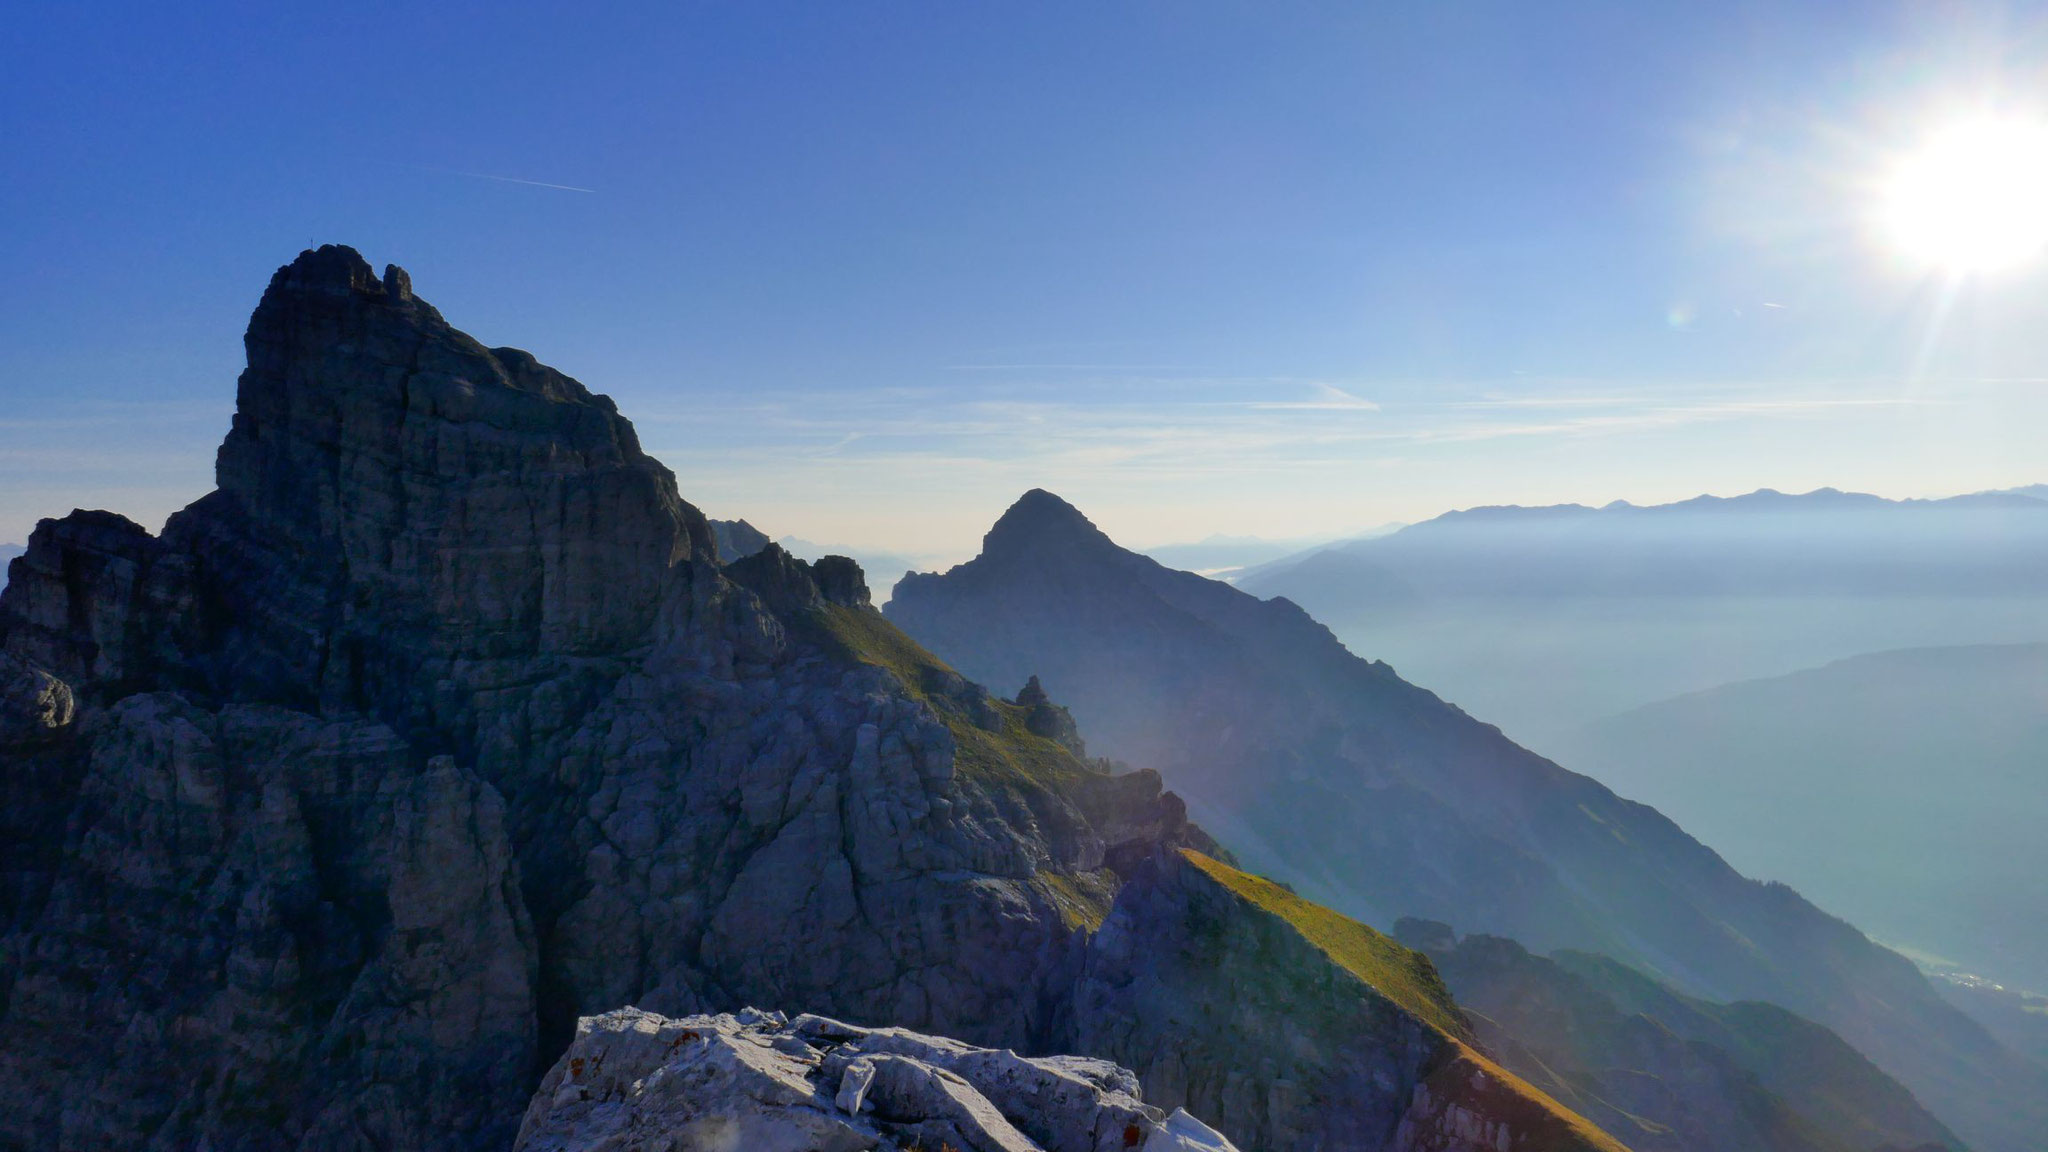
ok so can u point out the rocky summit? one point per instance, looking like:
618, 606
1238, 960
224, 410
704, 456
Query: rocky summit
327, 813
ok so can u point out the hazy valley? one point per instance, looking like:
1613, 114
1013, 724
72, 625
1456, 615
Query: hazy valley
446, 731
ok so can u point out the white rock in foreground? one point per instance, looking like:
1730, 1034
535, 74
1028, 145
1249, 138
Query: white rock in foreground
760, 1082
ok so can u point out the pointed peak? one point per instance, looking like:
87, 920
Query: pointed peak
1041, 521
1039, 503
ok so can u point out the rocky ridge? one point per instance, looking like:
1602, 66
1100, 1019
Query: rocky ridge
326, 814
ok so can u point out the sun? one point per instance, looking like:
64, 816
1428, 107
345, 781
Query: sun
1972, 198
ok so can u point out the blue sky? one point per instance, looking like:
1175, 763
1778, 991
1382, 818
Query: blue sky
864, 272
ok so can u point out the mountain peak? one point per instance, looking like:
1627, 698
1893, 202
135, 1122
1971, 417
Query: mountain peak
330, 266
421, 496
1038, 522
339, 270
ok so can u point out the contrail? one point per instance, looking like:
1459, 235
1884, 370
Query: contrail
501, 179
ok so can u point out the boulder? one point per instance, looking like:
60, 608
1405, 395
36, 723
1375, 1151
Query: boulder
765, 1083
34, 705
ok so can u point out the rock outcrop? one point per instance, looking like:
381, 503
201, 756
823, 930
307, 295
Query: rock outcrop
765, 1083
326, 814
1382, 800
1047, 719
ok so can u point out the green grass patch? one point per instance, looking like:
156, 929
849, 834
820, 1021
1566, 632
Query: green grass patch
1405, 977
867, 636
1084, 900
1006, 753
1411, 981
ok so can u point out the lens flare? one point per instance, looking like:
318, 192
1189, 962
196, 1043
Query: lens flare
1973, 198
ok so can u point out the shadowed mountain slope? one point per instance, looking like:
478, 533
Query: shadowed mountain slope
1381, 800
1665, 1072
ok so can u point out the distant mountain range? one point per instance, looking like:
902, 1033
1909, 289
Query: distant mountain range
1824, 541
2036, 491
1545, 619
1225, 556
1905, 789
1336, 774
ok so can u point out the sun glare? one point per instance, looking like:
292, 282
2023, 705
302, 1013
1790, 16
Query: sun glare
1973, 197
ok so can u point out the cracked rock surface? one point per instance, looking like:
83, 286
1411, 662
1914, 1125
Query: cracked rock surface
766, 1083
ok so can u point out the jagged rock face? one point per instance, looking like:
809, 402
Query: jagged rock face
207, 938
407, 506
34, 705
1666, 1073
325, 816
79, 597
761, 1082
737, 538
1381, 799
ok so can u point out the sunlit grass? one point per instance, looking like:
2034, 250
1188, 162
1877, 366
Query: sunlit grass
1409, 979
1084, 900
1403, 976
1006, 754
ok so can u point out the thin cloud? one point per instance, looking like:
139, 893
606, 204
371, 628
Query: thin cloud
1067, 368
834, 447
1071, 435
1659, 416
1540, 402
1329, 398
499, 179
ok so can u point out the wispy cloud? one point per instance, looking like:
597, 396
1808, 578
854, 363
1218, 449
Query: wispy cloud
1103, 368
1199, 430
1640, 416
498, 178
1328, 398
1545, 402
